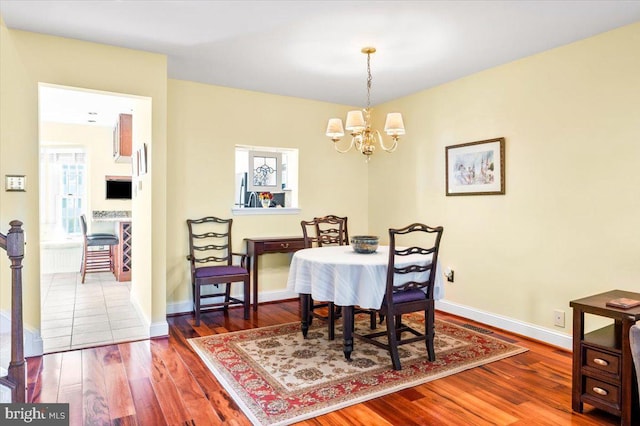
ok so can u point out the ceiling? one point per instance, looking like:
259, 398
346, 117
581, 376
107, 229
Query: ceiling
311, 49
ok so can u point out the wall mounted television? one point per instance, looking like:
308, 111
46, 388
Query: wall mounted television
118, 189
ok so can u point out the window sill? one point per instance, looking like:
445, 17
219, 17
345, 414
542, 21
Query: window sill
250, 211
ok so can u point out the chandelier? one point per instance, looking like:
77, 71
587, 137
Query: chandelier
358, 123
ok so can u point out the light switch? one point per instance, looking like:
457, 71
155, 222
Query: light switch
15, 183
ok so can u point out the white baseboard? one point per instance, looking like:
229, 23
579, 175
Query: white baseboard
272, 296
265, 296
33, 345
179, 308
156, 329
531, 331
159, 329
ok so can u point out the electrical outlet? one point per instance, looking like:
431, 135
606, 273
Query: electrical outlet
558, 318
449, 274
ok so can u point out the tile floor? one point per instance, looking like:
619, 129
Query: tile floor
98, 312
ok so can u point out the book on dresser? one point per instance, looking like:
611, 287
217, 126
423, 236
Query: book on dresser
623, 303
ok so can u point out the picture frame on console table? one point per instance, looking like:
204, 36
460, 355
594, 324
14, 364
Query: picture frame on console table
475, 168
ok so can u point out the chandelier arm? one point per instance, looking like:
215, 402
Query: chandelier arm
393, 146
335, 145
376, 137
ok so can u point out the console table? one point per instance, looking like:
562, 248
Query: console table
262, 245
603, 371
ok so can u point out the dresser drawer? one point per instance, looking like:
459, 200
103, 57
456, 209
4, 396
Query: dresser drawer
603, 391
602, 361
275, 246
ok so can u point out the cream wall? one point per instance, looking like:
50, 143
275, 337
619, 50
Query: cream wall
567, 226
206, 124
27, 59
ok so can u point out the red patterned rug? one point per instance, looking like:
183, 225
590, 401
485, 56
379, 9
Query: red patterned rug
277, 378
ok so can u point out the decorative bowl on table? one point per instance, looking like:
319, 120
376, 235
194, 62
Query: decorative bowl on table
364, 243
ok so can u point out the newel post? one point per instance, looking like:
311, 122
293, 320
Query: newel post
16, 370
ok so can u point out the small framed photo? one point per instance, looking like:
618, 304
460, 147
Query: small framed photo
475, 168
143, 159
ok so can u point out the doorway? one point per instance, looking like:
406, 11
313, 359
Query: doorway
76, 155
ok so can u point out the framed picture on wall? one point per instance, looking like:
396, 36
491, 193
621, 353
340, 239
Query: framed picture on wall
475, 168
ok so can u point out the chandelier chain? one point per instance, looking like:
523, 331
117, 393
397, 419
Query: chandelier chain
369, 80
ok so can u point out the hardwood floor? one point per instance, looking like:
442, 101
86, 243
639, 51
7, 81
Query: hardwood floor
162, 382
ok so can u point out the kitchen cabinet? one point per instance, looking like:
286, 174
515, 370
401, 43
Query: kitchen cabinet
122, 143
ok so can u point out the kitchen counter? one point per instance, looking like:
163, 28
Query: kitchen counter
111, 215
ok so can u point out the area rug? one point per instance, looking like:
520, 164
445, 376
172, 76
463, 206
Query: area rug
277, 378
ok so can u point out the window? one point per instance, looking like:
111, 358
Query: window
62, 192
266, 169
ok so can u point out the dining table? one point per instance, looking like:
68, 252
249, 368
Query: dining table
347, 278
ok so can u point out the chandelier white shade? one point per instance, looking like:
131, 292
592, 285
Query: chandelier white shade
358, 124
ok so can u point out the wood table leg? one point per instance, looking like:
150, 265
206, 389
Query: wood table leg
305, 299
331, 317
578, 335
347, 330
254, 265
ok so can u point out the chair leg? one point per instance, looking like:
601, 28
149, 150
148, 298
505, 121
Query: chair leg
247, 298
398, 327
393, 342
227, 296
196, 303
112, 263
83, 267
430, 334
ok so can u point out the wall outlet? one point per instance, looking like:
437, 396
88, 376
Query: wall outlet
449, 274
558, 318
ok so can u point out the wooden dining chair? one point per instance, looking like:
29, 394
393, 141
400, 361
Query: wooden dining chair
332, 230
405, 294
321, 232
211, 261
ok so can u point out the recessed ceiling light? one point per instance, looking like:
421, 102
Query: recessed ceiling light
93, 113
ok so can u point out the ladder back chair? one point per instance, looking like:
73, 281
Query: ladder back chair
211, 261
98, 259
409, 288
325, 231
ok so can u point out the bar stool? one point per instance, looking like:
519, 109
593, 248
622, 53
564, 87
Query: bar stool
100, 259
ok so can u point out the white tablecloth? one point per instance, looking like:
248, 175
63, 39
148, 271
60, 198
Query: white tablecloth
340, 275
